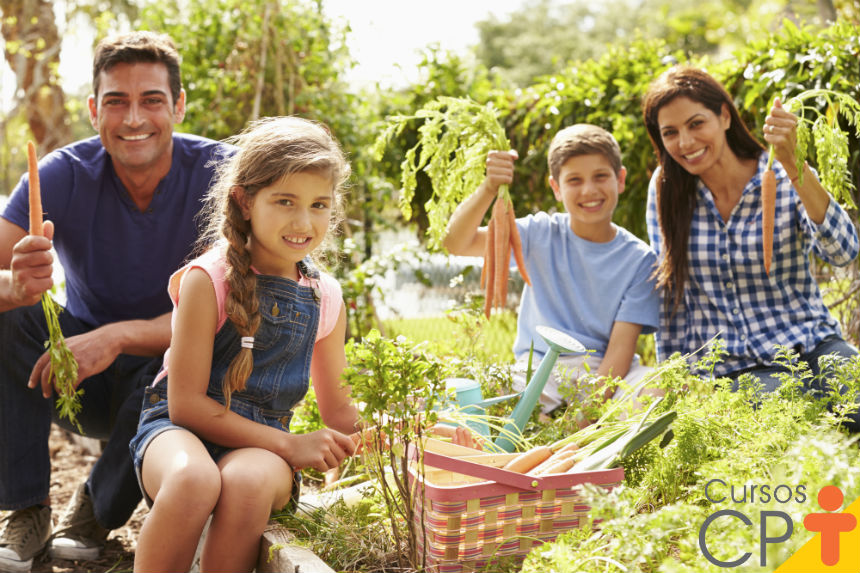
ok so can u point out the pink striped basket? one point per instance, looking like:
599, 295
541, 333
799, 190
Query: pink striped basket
474, 514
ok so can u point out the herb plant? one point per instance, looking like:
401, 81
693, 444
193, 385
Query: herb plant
398, 385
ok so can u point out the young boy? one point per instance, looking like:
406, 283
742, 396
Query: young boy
590, 278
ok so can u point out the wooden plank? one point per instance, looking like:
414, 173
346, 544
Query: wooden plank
279, 555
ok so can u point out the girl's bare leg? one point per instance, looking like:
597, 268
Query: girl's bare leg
254, 482
184, 482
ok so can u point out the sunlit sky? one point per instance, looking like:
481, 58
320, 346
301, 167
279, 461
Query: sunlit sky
385, 39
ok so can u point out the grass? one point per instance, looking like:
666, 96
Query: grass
494, 343
450, 335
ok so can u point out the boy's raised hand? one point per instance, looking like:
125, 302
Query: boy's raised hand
500, 169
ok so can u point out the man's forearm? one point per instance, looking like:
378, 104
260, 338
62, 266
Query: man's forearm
7, 301
142, 337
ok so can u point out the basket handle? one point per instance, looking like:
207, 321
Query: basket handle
474, 469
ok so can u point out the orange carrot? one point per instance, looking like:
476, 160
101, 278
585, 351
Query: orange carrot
528, 460
768, 206
366, 438
558, 467
35, 191
551, 461
571, 447
517, 245
489, 267
502, 253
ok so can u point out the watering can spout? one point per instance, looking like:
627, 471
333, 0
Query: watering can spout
558, 342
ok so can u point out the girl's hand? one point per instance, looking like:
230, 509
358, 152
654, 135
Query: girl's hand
320, 450
780, 130
500, 169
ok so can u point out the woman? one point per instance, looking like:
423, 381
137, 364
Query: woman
705, 223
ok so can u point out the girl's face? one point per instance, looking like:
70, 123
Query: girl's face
289, 219
693, 135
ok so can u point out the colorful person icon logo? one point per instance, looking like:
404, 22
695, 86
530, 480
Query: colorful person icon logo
830, 524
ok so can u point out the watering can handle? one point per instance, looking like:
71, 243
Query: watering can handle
473, 469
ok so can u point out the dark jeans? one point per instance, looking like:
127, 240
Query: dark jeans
111, 407
833, 345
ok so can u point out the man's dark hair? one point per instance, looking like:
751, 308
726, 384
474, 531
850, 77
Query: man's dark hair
138, 47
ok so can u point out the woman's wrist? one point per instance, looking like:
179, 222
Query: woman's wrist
798, 175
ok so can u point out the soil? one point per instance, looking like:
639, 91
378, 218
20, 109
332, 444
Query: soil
70, 466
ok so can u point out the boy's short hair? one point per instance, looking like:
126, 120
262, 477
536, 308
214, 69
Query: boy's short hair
138, 47
582, 139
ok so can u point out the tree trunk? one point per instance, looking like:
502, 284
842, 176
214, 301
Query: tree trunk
826, 11
33, 52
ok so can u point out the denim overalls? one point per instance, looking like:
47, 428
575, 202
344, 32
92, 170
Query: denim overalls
283, 346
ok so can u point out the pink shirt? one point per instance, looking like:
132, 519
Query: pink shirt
213, 263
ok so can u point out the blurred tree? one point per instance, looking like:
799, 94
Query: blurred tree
32, 50
244, 59
544, 35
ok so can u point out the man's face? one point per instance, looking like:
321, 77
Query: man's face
134, 115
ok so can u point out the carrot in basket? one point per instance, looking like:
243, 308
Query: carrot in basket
551, 461
517, 245
528, 460
35, 191
768, 208
559, 467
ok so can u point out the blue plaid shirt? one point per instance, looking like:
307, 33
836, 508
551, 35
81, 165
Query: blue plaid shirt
728, 292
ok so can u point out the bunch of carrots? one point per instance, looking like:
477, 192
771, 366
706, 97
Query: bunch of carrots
64, 367
502, 237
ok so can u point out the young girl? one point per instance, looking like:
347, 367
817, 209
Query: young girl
253, 320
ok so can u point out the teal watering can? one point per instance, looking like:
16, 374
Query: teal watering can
471, 401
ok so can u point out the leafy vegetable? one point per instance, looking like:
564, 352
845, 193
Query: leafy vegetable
825, 137
453, 142
64, 367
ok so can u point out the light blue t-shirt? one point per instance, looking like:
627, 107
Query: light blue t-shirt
581, 287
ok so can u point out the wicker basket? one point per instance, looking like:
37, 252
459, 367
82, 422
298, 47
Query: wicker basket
475, 513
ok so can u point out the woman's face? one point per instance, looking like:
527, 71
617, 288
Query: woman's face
693, 135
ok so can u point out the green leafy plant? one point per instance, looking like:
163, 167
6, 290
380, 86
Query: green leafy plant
398, 386
64, 367
454, 137
820, 136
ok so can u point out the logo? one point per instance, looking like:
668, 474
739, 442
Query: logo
834, 548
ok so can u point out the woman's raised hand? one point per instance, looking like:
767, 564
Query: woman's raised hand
780, 131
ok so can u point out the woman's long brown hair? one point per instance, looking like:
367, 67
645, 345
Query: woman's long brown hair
676, 187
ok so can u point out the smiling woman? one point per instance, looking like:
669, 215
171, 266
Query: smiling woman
705, 222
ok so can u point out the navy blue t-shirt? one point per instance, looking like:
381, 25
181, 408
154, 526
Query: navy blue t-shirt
117, 259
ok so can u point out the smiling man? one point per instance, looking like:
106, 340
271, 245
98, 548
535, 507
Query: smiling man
121, 210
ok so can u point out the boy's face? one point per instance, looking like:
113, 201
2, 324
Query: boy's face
588, 187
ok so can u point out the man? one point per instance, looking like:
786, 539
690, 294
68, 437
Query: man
121, 209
